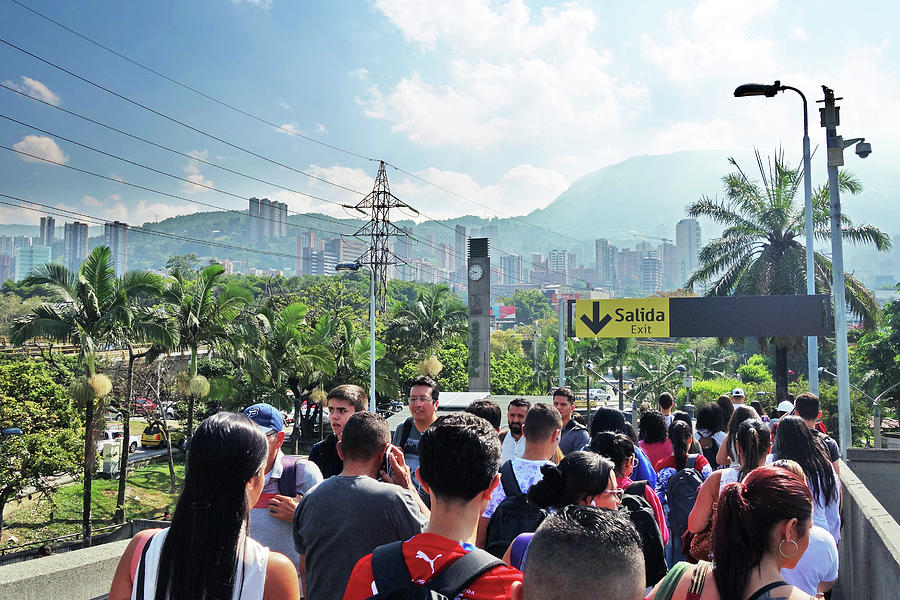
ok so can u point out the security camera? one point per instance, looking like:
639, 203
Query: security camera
863, 149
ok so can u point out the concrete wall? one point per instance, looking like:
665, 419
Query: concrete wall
81, 574
879, 470
870, 544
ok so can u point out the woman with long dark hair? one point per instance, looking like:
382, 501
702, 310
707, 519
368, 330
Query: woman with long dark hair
753, 441
727, 455
795, 441
581, 477
206, 552
762, 527
611, 419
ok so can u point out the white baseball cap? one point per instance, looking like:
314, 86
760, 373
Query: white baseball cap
737, 393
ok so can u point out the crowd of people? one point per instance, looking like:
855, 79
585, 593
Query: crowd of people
744, 508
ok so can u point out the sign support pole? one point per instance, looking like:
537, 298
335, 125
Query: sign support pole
562, 342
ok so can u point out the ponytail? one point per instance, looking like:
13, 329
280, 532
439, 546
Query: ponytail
579, 475
754, 438
679, 436
746, 514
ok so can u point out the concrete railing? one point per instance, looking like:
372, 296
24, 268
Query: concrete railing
879, 470
870, 543
77, 575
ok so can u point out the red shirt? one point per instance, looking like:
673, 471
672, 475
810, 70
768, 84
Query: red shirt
669, 461
427, 554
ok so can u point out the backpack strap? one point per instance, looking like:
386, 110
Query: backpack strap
508, 480
464, 570
287, 483
691, 461
404, 433
503, 435
389, 567
697, 580
139, 552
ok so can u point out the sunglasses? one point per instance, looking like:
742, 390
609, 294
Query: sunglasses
615, 493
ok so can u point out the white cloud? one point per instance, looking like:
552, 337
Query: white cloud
35, 89
89, 200
319, 128
266, 5
142, 211
511, 77
288, 129
194, 175
40, 146
715, 38
697, 135
799, 34
361, 74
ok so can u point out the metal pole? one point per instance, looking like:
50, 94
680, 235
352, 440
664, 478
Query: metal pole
372, 403
589, 398
835, 158
562, 342
812, 342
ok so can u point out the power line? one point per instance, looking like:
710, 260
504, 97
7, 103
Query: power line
168, 149
176, 121
192, 89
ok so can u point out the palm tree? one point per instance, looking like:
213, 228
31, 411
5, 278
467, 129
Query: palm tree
88, 305
202, 312
435, 317
761, 252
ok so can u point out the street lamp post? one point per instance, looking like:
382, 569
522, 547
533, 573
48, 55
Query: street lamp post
835, 144
588, 367
769, 91
876, 405
355, 266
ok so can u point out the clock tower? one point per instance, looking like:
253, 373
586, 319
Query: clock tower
479, 279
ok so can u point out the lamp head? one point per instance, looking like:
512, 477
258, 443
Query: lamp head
347, 266
589, 365
680, 369
757, 89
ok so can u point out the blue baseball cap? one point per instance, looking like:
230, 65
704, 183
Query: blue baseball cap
266, 416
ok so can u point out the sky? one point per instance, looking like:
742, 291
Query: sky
480, 107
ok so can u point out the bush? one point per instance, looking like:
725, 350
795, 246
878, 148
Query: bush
860, 411
755, 371
708, 390
510, 374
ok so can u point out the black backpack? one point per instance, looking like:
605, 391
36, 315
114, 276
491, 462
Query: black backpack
644, 520
392, 576
514, 515
681, 493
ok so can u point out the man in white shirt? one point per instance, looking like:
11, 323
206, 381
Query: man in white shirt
541, 431
512, 439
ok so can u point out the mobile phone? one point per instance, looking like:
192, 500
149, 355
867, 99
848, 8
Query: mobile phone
386, 465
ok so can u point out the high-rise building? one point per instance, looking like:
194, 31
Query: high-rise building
559, 262
445, 257
30, 257
459, 248
687, 248
7, 246
306, 245
48, 231
511, 268
669, 260
268, 219
75, 242
606, 261
115, 236
651, 274
7, 267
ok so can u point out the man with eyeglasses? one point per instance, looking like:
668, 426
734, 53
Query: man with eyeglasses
423, 404
287, 479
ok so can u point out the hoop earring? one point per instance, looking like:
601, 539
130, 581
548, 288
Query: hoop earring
796, 549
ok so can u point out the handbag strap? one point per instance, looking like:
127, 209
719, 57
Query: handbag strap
766, 588
697, 580
141, 571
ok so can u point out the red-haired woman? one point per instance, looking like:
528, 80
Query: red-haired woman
762, 527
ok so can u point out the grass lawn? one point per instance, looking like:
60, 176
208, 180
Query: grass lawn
146, 496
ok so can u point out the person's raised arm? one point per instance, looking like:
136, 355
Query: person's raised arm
401, 476
722, 457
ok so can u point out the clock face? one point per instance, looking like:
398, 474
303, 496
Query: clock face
476, 272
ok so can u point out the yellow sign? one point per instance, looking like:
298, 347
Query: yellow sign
642, 317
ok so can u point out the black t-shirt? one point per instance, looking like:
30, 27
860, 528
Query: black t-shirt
325, 456
834, 451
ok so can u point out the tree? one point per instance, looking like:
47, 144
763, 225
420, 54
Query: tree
202, 311
87, 306
531, 305
186, 263
32, 401
139, 323
432, 320
875, 358
760, 252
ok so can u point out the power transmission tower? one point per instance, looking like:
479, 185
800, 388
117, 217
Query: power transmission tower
378, 204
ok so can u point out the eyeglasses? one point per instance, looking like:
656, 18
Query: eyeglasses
633, 460
421, 400
616, 493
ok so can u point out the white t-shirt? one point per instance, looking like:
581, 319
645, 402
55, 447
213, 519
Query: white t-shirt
819, 563
528, 472
512, 448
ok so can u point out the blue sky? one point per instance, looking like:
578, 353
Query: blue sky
503, 102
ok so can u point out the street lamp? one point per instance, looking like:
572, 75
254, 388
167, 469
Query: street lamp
769, 91
835, 144
10, 431
356, 266
876, 405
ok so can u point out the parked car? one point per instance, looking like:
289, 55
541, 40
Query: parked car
142, 407
115, 435
153, 437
